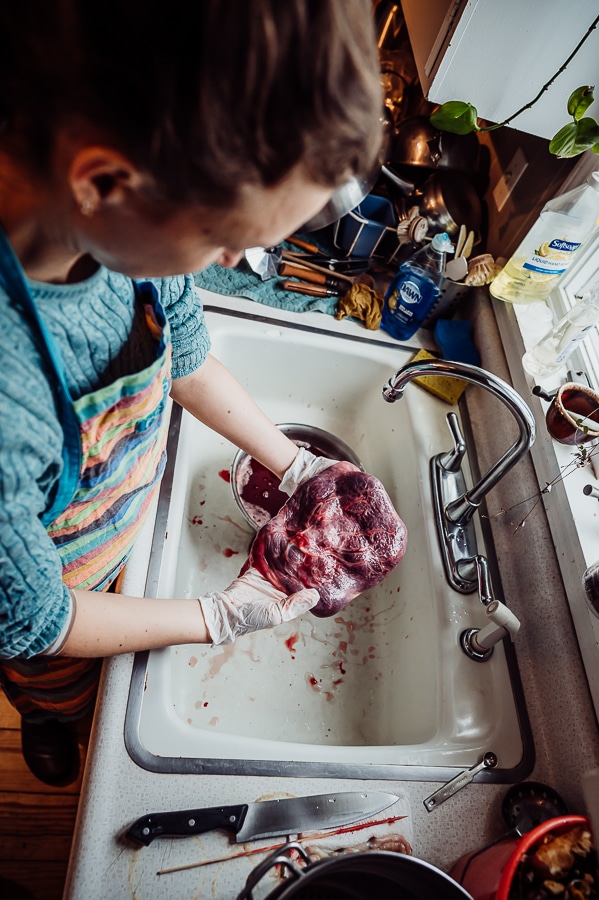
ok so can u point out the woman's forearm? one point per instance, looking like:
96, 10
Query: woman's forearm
215, 397
108, 624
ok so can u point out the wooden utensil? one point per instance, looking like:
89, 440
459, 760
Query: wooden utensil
315, 277
315, 290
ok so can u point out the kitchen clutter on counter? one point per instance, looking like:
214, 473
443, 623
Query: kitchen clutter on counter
391, 685
424, 200
554, 859
547, 852
356, 876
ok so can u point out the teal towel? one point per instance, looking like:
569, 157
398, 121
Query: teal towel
242, 282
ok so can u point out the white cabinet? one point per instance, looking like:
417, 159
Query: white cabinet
498, 54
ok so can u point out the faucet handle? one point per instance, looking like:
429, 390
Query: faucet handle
477, 567
452, 460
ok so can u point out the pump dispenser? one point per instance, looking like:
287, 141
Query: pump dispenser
415, 288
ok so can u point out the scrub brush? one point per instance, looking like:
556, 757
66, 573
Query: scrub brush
481, 270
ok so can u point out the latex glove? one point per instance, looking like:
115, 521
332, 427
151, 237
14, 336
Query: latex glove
249, 604
304, 466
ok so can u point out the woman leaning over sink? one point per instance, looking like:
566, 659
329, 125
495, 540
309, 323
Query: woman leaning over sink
136, 146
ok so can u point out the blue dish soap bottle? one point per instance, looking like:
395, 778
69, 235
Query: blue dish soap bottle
415, 288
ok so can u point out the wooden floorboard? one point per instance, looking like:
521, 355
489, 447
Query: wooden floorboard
36, 820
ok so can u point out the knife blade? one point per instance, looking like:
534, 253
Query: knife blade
267, 818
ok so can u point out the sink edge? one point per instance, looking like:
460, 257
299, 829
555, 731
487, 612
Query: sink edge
293, 768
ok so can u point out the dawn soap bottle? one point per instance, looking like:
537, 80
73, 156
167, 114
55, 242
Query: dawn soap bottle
415, 288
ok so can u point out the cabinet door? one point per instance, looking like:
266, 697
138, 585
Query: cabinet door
498, 54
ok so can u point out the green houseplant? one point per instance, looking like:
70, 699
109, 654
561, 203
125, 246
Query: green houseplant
578, 135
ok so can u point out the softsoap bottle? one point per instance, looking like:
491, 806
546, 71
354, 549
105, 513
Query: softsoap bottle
550, 246
552, 352
415, 288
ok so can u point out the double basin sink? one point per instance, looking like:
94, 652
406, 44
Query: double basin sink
381, 690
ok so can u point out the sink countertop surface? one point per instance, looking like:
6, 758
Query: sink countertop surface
116, 791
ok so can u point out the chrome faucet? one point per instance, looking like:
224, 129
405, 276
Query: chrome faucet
462, 509
454, 503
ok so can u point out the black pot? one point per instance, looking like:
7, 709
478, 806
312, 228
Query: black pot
356, 876
418, 143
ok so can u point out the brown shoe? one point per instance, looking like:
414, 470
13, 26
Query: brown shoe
51, 751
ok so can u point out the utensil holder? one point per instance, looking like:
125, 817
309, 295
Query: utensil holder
453, 293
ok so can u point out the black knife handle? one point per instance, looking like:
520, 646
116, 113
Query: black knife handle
186, 822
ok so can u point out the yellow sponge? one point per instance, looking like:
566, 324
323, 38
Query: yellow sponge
448, 389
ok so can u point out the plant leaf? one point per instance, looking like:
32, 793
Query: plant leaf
455, 116
574, 138
580, 100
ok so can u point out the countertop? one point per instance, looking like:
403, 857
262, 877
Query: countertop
116, 791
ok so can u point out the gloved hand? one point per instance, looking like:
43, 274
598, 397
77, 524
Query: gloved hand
304, 466
249, 604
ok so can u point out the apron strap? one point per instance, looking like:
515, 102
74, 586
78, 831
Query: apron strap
12, 279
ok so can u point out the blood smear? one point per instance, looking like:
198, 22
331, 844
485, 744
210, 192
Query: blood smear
291, 642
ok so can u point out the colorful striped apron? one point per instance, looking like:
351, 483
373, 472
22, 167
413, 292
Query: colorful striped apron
121, 442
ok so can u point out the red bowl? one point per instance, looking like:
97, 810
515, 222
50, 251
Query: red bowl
558, 825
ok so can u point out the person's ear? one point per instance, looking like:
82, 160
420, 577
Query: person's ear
100, 177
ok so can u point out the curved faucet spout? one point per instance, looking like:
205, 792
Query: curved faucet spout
461, 510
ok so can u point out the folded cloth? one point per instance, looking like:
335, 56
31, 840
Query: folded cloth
242, 282
362, 302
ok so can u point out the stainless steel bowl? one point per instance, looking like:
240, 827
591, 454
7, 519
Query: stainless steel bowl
343, 199
350, 194
324, 442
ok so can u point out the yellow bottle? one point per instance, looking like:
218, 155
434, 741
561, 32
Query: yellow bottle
550, 246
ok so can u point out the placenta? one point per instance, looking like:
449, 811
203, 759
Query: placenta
338, 533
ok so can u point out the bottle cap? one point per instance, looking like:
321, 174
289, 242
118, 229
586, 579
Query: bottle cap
442, 243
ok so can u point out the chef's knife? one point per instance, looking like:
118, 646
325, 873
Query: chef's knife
268, 818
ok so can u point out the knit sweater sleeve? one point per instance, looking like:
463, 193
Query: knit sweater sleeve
184, 311
34, 603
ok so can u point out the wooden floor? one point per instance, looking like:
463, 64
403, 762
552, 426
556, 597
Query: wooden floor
36, 821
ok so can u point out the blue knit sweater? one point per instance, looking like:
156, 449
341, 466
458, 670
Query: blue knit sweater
95, 326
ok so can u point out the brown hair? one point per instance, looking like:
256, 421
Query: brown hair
204, 94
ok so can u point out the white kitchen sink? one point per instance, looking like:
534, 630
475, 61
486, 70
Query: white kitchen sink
381, 690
